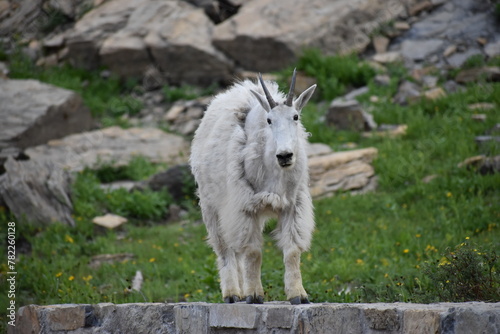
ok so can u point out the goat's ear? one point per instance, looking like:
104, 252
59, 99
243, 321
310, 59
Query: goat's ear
303, 98
262, 100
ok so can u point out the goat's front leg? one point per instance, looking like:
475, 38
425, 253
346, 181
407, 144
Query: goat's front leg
252, 285
294, 289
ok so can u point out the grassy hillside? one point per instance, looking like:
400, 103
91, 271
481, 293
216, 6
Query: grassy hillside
409, 241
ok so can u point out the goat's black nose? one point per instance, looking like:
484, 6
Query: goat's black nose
284, 156
284, 159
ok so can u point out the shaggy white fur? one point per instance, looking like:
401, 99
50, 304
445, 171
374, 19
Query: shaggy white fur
250, 163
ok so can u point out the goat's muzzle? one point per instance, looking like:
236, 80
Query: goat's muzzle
285, 159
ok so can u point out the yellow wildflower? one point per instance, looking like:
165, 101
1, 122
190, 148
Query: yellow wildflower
69, 239
71, 278
152, 259
59, 274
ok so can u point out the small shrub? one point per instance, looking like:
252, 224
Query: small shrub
466, 273
145, 204
138, 169
124, 105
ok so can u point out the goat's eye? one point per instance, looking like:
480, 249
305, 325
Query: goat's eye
269, 121
295, 117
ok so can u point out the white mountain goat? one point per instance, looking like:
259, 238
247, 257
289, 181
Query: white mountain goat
249, 160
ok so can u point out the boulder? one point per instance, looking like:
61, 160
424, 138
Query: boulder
24, 18
34, 113
458, 59
36, 191
482, 164
387, 57
492, 49
174, 180
420, 49
348, 171
268, 35
129, 36
407, 92
112, 145
185, 116
488, 73
349, 115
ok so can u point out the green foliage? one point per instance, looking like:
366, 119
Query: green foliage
90, 200
335, 74
185, 92
466, 273
138, 169
497, 11
474, 61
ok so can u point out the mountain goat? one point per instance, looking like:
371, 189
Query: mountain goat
249, 160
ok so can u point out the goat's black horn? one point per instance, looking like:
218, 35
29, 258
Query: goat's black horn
289, 97
270, 100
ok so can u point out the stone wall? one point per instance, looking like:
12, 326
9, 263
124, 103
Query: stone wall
273, 317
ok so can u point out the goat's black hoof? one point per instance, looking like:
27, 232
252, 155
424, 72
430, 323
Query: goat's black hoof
231, 299
299, 300
255, 299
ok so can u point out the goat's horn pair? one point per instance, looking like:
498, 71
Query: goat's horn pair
289, 97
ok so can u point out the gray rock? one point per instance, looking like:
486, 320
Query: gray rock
33, 113
459, 58
492, 49
114, 146
349, 115
174, 180
185, 116
407, 92
38, 192
451, 86
348, 171
387, 57
269, 35
129, 36
488, 73
382, 79
316, 149
420, 49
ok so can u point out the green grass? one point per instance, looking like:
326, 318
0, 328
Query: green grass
335, 74
377, 247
